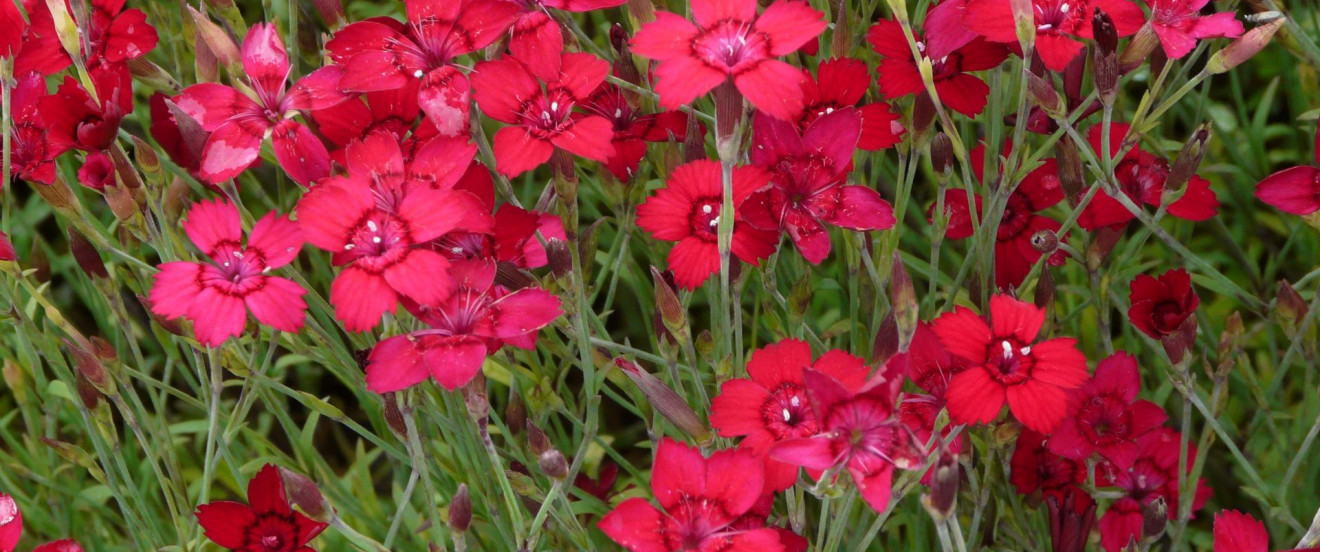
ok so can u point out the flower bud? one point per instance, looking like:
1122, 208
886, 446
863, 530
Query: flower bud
1289, 309
537, 441
460, 510
306, 495
903, 297
7, 253
217, 41
11, 523
558, 257
665, 400
1072, 177
1024, 21
332, 12
728, 113
673, 316
152, 74
886, 339
1139, 48
58, 195
515, 414
478, 404
1073, 75
1154, 517
1189, 159
1105, 33
89, 260
86, 364
923, 113
174, 326
694, 142
641, 10
124, 167
553, 464
623, 62
1243, 48
205, 63
943, 487
1104, 242
1044, 95
394, 416
941, 153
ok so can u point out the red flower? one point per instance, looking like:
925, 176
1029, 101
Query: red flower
33, 153
74, 120
117, 35
632, 130
417, 56
265, 524
1034, 468
7, 253
771, 404
839, 83
807, 175
927, 363
1154, 474
687, 211
182, 138
1161, 305
515, 239
1015, 253
535, 33
1239, 532
700, 498
1295, 190
859, 431
757, 517
1104, 415
1007, 365
97, 171
214, 296
11, 521
238, 123
957, 89
542, 119
729, 41
1059, 24
65, 545
1179, 24
1141, 176
32, 44
376, 222
476, 319
391, 111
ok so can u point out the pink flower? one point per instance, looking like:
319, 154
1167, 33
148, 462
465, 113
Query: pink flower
475, 320
730, 41
515, 235
417, 56
32, 44
1179, 24
535, 34
11, 523
700, 498
807, 176
1104, 415
771, 404
687, 211
957, 88
859, 431
632, 129
1295, 190
1059, 24
214, 295
378, 220
63, 545
238, 123
839, 83
1141, 176
541, 118
97, 171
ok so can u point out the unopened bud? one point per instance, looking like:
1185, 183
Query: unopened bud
147, 160
694, 142
1105, 33
1289, 309
1044, 95
537, 441
1024, 21
559, 257
57, 194
1231, 338
665, 400
728, 112
515, 414
304, 494
903, 297
205, 63
1073, 75
923, 113
218, 42
1138, 49
460, 510
474, 397
1044, 295
672, 314
1243, 48
89, 260
394, 416
943, 487
1104, 241
886, 339
121, 202
623, 62
87, 393
86, 364
941, 153
1189, 159
151, 74
553, 464
1072, 178
174, 326
1045, 241
1154, 517
641, 10
332, 12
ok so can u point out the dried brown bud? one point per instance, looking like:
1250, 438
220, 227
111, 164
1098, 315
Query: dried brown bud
515, 414
306, 495
623, 62
941, 153
943, 487
89, 260
460, 510
1044, 296
1243, 48
394, 416
1045, 241
1104, 242
474, 397
1072, 177
665, 400
553, 464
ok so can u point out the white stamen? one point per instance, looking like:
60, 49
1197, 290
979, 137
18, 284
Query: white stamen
787, 416
705, 209
349, 247
1044, 27
795, 401
371, 225
829, 110
715, 221
1025, 350
1008, 349
238, 254
417, 74
375, 239
554, 106
1064, 8
618, 113
456, 250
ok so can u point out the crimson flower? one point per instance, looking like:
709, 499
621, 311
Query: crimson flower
32, 44
771, 404
1154, 474
1104, 415
859, 431
238, 123
63, 545
74, 120
179, 135
1008, 365
117, 35
214, 295
1141, 176
1015, 253
1034, 469
377, 221
475, 320
757, 517
807, 175
1179, 24
840, 83
730, 41
265, 524
956, 87
1059, 24
535, 33
1161, 306
700, 498
687, 211
1295, 190
632, 129
541, 118
97, 171
7, 253
11, 520
384, 54
391, 111
33, 153
515, 235
1239, 532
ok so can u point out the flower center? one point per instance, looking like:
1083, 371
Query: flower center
1054, 16
730, 45
705, 218
380, 235
1168, 316
1104, 419
787, 414
550, 112
1009, 363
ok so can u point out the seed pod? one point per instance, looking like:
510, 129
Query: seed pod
58, 195
665, 400
304, 494
460, 510
1244, 48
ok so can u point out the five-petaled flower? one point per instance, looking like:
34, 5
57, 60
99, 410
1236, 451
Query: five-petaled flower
1163, 306
730, 41
1154, 474
839, 83
1059, 24
1141, 177
265, 524
1008, 365
216, 296
1104, 415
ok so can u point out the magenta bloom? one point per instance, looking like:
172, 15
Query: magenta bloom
536, 36
1152, 475
700, 500
238, 123
475, 320
1059, 24
1179, 24
632, 129
214, 295
859, 430
1295, 190
730, 41
33, 152
74, 120
771, 404
1104, 415
807, 182
11, 523
377, 222
951, 73
265, 524
541, 118
1141, 176
840, 83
